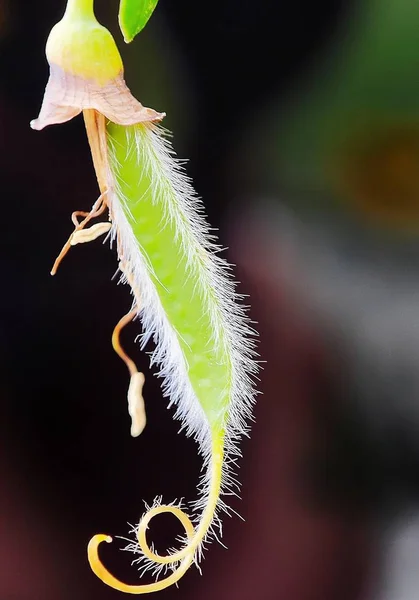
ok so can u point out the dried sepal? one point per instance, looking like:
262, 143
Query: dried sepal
67, 95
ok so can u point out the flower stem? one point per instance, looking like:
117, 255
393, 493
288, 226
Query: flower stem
96, 133
80, 9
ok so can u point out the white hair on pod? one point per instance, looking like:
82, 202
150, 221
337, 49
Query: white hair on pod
230, 325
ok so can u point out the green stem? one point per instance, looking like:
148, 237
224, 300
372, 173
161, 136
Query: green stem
80, 9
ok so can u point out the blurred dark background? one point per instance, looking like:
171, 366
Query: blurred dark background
300, 122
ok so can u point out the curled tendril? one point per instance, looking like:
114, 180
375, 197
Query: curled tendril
185, 557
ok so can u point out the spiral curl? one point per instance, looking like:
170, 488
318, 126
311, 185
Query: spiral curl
184, 556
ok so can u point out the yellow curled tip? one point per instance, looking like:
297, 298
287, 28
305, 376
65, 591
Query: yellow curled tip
104, 575
180, 560
94, 543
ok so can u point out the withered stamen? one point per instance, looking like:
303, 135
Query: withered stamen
97, 209
136, 407
92, 233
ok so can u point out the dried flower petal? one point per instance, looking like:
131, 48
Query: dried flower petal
67, 95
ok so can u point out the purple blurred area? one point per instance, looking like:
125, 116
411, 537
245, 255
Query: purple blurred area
301, 123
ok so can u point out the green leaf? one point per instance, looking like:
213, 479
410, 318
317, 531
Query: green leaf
133, 16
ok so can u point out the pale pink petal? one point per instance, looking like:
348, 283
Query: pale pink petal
66, 95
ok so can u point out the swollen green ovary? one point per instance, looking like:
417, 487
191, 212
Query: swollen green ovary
209, 368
